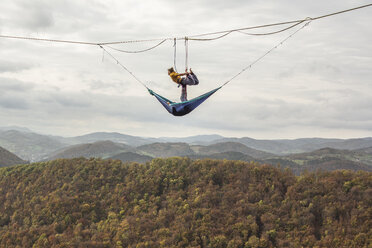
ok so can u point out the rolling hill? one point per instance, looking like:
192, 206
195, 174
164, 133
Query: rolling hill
132, 157
27, 145
284, 147
325, 159
163, 150
225, 155
193, 140
99, 149
7, 158
108, 149
114, 137
367, 150
230, 147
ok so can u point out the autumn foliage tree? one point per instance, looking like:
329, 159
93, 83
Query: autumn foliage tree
178, 202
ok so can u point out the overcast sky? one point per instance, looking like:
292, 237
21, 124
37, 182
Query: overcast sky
317, 84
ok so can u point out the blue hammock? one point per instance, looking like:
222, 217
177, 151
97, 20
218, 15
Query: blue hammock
182, 108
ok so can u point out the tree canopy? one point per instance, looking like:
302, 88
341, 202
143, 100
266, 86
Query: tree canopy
177, 202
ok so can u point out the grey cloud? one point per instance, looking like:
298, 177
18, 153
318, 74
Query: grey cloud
56, 17
13, 102
33, 15
100, 85
137, 108
92, 104
11, 84
64, 99
339, 110
12, 66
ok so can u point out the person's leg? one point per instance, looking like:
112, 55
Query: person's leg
188, 80
194, 78
191, 79
183, 93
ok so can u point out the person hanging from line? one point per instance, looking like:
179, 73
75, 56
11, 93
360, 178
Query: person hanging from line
183, 79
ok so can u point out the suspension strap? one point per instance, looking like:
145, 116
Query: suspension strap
186, 53
175, 54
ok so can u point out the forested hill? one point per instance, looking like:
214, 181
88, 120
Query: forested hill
177, 202
7, 158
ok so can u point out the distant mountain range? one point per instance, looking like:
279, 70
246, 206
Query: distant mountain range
325, 159
298, 154
109, 149
284, 146
29, 146
16, 128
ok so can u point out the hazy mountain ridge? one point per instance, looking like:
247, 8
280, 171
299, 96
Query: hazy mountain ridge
114, 137
109, 149
198, 139
325, 158
7, 158
164, 150
99, 149
27, 145
230, 147
36, 147
284, 147
132, 157
325, 153
16, 128
231, 155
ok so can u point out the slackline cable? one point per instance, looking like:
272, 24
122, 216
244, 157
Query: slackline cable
232, 78
139, 51
190, 37
269, 51
124, 67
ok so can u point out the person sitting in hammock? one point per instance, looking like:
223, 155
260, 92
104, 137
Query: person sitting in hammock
183, 79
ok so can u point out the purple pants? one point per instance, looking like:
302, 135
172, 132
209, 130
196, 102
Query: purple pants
190, 79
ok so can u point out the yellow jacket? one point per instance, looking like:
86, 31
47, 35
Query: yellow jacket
175, 77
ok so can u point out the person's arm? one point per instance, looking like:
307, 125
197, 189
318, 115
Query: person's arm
183, 74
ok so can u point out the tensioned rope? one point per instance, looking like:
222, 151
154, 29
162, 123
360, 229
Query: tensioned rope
190, 37
265, 54
308, 20
256, 34
226, 32
124, 67
232, 78
138, 51
274, 32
